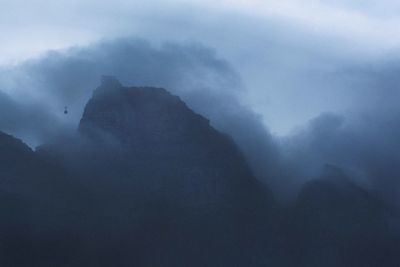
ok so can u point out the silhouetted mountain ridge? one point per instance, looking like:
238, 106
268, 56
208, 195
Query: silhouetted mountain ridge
150, 127
149, 162
335, 221
145, 181
14, 155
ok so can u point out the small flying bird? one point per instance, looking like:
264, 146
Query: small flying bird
65, 110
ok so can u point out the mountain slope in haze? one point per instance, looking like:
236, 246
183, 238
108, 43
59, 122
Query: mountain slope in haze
145, 181
335, 222
35, 207
156, 132
158, 178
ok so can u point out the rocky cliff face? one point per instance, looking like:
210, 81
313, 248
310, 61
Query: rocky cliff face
171, 184
154, 138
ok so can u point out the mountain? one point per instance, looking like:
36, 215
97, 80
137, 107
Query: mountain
16, 158
335, 222
145, 181
34, 206
144, 127
162, 186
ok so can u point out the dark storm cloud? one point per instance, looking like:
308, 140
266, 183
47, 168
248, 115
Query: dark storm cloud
67, 78
361, 140
365, 145
25, 119
205, 82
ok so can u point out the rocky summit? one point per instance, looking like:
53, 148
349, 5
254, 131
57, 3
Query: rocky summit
148, 130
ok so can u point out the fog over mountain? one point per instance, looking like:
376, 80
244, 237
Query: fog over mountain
363, 140
145, 180
255, 133
207, 83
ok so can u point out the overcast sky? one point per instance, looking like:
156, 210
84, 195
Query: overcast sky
292, 55
296, 83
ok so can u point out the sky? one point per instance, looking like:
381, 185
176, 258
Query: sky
275, 46
297, 83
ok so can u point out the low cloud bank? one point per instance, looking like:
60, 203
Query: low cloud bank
364, 142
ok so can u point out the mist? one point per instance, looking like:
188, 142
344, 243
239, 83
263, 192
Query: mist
361, 139
192, 71
200, 133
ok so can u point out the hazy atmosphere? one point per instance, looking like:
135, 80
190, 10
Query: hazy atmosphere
296, 84
277, 65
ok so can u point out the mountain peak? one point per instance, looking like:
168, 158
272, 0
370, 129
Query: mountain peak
10, 143
335, 176
143, 127
140, 115
110, 81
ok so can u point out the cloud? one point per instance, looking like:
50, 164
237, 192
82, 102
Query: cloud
40, 88
25, 119
357, 99
279, 48
364, 144
68, 77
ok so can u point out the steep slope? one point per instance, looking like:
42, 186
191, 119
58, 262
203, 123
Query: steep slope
163, 188
17, 164
33, 204
16, 158
150, 127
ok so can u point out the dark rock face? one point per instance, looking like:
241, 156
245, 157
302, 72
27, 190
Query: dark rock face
145, 182
149, 130
17, 166
190, 178
33, 204
181, 174
15, 156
